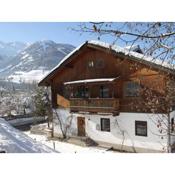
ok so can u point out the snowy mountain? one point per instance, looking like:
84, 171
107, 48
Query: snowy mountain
35, 61
9, 50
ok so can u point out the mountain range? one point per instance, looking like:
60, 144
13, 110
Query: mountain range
9, 50
21, 62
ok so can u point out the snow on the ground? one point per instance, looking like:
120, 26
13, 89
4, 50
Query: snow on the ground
27, 77
14, 141
64, 147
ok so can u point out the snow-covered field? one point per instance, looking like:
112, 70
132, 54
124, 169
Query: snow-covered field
27, 77
14, 141
64, 147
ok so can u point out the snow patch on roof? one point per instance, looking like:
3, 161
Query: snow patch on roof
134, 48
136, 55
90, 81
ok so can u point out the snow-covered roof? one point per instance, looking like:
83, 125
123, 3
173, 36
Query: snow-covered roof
126, 51
62, 61
134, 48
117, 49
90, 81
14, 141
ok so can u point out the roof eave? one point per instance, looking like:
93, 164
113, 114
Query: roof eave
148, 63
46, 79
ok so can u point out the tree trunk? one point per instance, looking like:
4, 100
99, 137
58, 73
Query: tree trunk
169, 134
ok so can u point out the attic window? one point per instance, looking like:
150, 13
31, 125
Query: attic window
91, 64
100, 63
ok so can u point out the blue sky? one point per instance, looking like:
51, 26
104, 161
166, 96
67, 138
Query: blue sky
30, 32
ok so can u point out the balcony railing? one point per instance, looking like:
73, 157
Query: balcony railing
95, 105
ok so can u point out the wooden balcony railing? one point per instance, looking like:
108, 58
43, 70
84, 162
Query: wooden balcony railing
95, 105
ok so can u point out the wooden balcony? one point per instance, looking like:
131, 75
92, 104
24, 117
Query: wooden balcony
95, 105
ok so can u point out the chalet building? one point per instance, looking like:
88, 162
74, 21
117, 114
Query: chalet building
116, 96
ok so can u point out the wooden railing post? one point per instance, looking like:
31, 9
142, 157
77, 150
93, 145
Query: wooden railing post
94, 104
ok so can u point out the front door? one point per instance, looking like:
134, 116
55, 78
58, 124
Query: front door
81, 126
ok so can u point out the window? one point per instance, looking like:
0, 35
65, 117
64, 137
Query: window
105, 124
104, 92
91, 64
140, 128
82, 92
131, 89
100, 63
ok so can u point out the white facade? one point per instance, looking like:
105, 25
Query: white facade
122, 134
